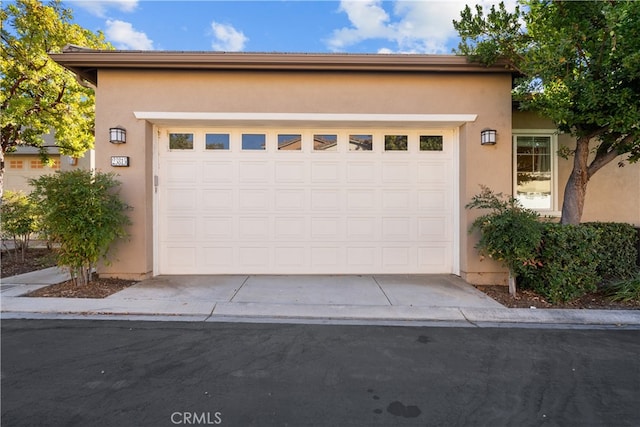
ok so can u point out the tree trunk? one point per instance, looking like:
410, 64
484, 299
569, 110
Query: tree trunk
512, 285
1, 174
576, 189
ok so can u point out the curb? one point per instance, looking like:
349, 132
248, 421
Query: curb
195, 311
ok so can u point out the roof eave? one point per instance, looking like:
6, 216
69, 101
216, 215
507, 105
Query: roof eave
85, 63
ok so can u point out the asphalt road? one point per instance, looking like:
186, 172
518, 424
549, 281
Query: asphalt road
126, 373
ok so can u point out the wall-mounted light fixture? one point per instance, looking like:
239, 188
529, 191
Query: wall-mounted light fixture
488, 137
117, 135
73, 161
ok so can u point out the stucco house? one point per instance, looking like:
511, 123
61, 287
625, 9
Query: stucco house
266, 163
25, 163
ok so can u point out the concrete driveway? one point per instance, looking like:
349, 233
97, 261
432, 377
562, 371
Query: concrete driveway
352, 290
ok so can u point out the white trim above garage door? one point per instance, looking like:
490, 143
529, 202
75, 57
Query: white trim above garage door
320, 120
306, 210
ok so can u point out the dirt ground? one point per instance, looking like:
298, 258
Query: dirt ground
527, 299
102, 287
98, 288
37, 259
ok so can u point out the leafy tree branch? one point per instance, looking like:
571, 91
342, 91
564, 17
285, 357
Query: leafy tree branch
577, 63
37, 95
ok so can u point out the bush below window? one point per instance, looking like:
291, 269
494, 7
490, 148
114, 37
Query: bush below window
509, 233
560, 262
617, 253
569, 262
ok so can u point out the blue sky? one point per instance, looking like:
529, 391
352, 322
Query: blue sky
354, 26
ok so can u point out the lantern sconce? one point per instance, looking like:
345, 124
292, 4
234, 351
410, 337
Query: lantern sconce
488, 137
117, 135
73, 161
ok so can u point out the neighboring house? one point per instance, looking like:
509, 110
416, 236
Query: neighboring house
25, 164
256, 163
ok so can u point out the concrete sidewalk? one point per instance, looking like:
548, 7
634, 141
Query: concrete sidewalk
371, 299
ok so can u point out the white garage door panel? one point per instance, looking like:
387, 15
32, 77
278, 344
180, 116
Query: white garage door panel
432, 257
218, 228
303, 211
181, 172
217, 257
218, 172
180, 228
216, 200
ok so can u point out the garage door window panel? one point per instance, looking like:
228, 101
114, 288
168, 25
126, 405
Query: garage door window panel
325, 142
216, 141
16, 164
431, 142
254, 141
360, 142
181, 141
396, 142
289, 142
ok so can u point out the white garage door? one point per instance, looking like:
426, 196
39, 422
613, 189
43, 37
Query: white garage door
285, 201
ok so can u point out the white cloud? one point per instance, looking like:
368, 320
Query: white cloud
99, 7
227, 38
410, 27
369, 21
124, 36
426, 27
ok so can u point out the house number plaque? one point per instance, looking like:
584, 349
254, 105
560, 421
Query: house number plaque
120, 161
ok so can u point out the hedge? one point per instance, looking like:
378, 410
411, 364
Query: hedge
573, 260
568, 260
617, 249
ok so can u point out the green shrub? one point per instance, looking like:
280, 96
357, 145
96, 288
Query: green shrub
560, 262
616, 249
83, 214
19, 220
510, 233
569, 257
625, 290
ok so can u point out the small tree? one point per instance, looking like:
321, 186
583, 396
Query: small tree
19, 220
579, 63
36, 94
509, 234
84, 214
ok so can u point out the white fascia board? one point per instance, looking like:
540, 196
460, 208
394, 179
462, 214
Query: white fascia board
305, 119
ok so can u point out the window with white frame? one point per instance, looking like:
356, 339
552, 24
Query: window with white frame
535, 169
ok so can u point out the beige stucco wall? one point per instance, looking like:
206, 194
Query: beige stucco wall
121, 92
489, 166
613, 193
